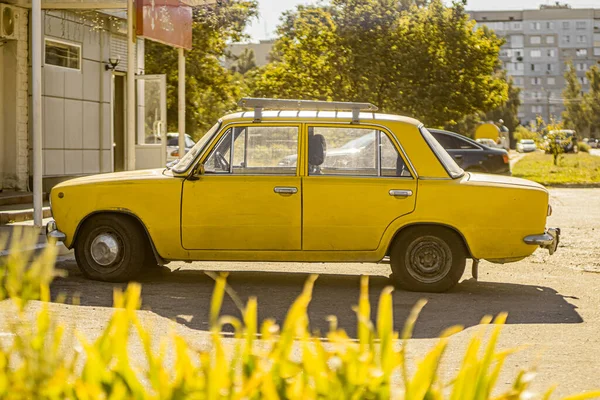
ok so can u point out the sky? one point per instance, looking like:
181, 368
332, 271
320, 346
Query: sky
270, 10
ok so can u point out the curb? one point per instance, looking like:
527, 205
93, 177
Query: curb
21, 215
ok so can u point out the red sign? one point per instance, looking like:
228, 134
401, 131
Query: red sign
165, 21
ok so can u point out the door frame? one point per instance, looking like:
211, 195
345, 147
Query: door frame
112, 119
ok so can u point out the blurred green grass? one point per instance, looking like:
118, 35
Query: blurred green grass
573, 169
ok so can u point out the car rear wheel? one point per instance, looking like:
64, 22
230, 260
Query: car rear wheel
426, 259
110, 248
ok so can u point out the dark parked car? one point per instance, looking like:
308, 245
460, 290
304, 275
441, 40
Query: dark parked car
473, 156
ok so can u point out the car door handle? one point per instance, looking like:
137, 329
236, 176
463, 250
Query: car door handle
458, 156
285, 190
401, 193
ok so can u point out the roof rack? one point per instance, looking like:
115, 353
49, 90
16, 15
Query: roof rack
259, 104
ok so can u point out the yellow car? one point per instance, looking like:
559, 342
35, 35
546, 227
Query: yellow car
305, 181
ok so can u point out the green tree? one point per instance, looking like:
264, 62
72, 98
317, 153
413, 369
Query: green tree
591, 101
244, 62
575, 115
211, 90
428, 62
509, 111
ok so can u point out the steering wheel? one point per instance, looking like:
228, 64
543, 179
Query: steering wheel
222, 161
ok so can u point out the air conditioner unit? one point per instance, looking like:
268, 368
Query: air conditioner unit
8, 22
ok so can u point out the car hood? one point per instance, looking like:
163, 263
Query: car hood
144, 174
502, 180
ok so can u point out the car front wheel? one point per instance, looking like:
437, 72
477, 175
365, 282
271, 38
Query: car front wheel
426, 259
110, 248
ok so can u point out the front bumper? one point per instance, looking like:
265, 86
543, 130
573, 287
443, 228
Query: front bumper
53, 233
548, 240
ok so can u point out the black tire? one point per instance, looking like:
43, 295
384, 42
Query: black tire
121, 234
427, 245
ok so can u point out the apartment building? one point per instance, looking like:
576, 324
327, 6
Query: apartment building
539, 43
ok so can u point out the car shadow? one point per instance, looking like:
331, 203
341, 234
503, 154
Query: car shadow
184, 296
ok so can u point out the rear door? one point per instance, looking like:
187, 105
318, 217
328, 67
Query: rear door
357, 183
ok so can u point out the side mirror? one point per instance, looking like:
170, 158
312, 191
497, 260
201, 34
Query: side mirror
197, 171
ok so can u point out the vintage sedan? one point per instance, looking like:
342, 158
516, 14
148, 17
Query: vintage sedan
231, 199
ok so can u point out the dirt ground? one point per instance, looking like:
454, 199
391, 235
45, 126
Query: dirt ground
553, 301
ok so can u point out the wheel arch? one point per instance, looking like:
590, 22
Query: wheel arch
435, 225
128, 214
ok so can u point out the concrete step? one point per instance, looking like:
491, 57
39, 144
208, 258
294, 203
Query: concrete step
21, 212
9, 197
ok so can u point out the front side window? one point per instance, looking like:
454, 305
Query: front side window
353, 152
255, 150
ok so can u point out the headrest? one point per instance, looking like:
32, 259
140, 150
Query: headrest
317, 148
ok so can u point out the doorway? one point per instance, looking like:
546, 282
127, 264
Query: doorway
119, 122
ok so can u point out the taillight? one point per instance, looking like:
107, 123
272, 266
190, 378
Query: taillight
175, 153
505, 158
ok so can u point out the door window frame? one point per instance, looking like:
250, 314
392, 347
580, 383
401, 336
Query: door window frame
207, 152
383, 129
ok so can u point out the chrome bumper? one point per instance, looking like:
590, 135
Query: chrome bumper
53, 233
549, 240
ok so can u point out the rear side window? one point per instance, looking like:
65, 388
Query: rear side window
447, 162
448, 142
466, 145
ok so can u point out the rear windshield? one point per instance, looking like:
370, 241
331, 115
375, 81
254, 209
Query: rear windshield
451, 167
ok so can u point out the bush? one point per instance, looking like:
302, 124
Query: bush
523, 133
262, 362
584, 147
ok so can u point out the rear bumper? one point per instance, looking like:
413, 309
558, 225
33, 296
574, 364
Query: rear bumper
548, 240
53, 233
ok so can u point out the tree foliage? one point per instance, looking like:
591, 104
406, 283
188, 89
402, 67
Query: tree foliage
591, 101
575, 114
413, 57
211, 90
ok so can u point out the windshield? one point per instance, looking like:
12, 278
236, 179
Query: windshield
191, 155
527, 141
451, 167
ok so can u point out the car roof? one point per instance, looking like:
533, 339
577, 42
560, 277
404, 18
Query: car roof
311, 116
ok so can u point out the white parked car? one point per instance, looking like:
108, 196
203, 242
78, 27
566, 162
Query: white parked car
526, 146
173, 145
488, 142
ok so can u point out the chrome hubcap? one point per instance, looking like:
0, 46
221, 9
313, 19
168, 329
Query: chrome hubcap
428, 259
105, 249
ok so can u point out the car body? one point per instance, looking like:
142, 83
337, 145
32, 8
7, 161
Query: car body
472, 156
526, 146
173, 145
593, 143
229, 199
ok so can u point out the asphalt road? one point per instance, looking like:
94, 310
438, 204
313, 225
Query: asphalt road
552, 301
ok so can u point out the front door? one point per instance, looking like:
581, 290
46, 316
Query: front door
357, 184
118, 122
249, 197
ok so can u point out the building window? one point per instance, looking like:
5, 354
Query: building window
62, 54
566, 25
517, 26
536, 81
549, 39
536, 109
535, 39
536, 26
581, 67
581, 52
550, 25
597, 51
519, 67
581, 25
581, 39
518, 81
535, 53
550, 53
535, 67
566, 39
549, 67
551, 81
583, 80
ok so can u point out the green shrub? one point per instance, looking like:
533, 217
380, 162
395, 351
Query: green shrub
523, 133
584, 147
261, 362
